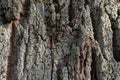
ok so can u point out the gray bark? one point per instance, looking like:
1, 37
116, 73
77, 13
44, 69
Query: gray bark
59, 40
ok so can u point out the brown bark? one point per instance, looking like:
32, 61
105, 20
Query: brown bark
59, 40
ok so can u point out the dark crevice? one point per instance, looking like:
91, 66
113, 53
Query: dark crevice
2, 15
87, 2
26, 8
52, 56
59, 72
75, 12
118, 1
71, 13
68, 72
12, 54
93, 66
58, 20
95, 17
95, 22
116, 45
57, 6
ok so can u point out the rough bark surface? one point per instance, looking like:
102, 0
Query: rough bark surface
59, 40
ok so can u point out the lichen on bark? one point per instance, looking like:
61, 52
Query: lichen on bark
59, 40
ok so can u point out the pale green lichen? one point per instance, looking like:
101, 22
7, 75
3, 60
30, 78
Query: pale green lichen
109, 25
42, 1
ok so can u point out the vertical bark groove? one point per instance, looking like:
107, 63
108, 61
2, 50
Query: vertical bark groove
52, 56
59, 40
12, 53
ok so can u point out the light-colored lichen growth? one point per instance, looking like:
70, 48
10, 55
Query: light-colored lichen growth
42, 1
109, 25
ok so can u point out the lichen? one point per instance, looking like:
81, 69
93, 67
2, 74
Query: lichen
42, 1
109, 25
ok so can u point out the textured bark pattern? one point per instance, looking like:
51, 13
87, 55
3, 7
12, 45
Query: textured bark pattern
59, 40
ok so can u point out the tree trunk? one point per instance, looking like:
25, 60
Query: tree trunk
59, 40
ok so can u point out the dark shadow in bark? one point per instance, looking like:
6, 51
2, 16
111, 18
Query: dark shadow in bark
12, 54
93, 65
116, 45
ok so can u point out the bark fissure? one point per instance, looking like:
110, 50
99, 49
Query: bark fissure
59, 40
52, 56
24, 14
24, 17
93, 65
116, 49
71, 13
86, 45
12, 53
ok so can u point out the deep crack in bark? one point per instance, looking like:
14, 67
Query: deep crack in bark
12, 54
52, 56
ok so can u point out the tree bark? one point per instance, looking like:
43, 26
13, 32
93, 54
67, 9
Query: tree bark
59, 40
